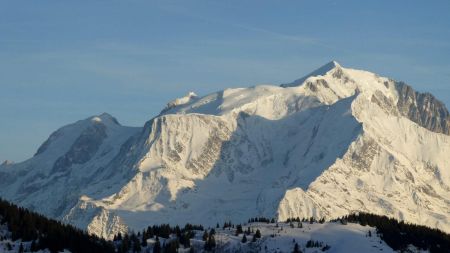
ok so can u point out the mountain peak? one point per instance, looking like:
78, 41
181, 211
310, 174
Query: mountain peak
7, 162
329, 66
318, 72
105, 118
181, 101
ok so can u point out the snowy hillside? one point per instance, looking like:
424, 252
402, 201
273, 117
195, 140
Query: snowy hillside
328, 237
271, 237
334, 142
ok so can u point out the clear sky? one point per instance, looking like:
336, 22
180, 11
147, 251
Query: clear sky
61, 61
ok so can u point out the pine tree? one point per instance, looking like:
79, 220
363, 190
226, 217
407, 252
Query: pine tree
244, 239
239, 229
296, 249
136, 243
254, 238
210, 244
144, 239
185, 239
157, 246
212, 241
258, 234
171, 247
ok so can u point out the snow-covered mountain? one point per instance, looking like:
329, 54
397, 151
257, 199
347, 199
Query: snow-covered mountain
336, 141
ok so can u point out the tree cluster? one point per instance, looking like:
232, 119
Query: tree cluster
49, 234
135, 242
261, 220
399, 235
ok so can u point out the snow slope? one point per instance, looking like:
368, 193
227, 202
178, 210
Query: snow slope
336, 141
340, 238
330, 237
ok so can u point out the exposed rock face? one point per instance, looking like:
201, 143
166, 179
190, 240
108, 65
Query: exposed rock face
83, 149
96, 219
423, 108
337, 141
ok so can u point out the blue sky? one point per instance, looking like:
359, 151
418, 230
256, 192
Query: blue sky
61, 61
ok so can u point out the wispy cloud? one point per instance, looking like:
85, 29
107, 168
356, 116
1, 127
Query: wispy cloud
303, 39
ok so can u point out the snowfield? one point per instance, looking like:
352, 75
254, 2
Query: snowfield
340, 238
330, 237
336, 141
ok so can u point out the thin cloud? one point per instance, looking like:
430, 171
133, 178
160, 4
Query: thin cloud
307, 40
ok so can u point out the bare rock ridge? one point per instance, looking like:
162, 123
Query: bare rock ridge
423, 108
336, 141
84, 147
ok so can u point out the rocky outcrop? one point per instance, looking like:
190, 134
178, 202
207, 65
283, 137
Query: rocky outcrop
85, 147
341, 141
423, 109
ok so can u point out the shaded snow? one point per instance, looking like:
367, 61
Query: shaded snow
334, 144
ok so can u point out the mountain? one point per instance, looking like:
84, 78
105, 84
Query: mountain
334, 142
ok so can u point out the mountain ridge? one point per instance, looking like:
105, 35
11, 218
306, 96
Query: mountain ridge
344, 140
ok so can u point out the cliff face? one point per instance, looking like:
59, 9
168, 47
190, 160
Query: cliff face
423, 109
337, 141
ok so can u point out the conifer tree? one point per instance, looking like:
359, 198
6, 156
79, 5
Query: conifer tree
239, 229
144, 239
258, 234
157, 246
254, 238
212, 241
244, 239
296, 249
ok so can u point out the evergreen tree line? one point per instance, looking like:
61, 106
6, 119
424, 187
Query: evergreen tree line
398, 235
311, 220
136, 242
49, 234
261, 220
